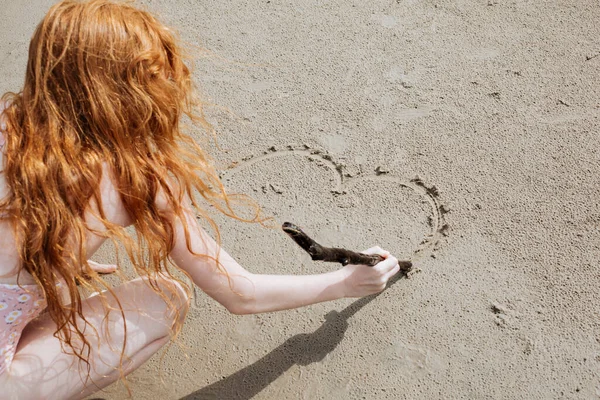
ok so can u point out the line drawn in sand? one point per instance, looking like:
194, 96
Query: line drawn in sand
343, 182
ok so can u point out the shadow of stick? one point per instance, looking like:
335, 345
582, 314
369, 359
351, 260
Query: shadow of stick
302, 349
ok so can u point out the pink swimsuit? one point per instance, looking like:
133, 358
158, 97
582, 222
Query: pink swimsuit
18, 306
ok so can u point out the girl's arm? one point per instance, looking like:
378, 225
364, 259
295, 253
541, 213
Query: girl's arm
242, 292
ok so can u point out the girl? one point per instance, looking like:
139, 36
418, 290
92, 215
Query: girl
92, 145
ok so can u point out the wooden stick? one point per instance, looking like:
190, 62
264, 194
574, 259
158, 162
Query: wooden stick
332, 254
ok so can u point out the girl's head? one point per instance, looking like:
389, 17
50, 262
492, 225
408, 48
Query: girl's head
109, 71
105, 85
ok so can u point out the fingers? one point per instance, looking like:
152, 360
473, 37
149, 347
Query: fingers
383, 279
377, 250
364, 281
391, 273
386, 265
102, 268
387, 269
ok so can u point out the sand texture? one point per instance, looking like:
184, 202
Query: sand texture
326, 112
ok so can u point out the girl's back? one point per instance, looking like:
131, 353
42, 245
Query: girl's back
9, 256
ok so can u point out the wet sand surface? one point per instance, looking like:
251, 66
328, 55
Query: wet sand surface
326, 112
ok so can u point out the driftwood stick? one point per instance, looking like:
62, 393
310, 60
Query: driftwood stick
330, 254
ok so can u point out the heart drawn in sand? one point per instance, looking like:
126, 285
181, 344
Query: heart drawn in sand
309, 188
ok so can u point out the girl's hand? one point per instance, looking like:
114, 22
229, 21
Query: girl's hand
99, 268
102, 268
361, 280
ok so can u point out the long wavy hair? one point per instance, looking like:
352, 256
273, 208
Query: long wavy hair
106, 83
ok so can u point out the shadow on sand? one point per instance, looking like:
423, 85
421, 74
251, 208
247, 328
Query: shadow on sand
302, 349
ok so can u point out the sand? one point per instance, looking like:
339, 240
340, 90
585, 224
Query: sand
495, 103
